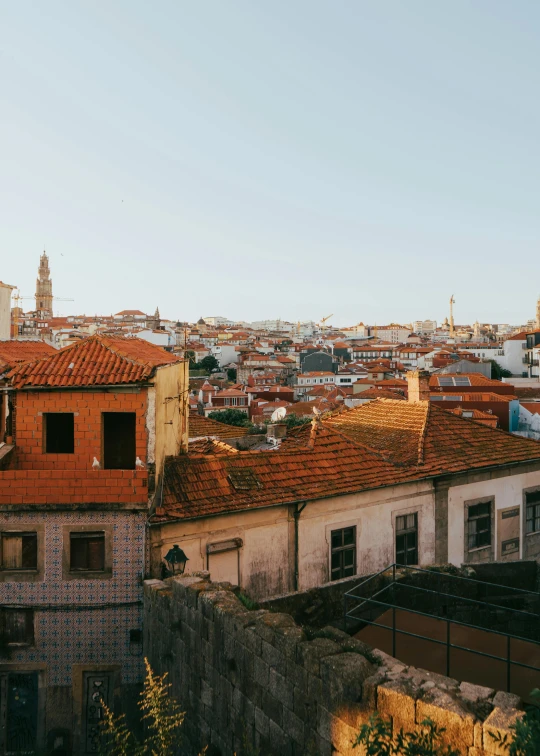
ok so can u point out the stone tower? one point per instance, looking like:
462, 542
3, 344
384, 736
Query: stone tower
44, 295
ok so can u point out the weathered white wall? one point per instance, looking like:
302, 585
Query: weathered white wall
5, 311
266, 558
508, 492
171, 397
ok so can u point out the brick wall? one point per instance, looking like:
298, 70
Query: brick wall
35, 487
252, 680
88, 407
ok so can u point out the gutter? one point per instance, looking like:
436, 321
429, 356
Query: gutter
296, 514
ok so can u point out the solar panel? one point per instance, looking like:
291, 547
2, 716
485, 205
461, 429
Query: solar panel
462, 380
446, 381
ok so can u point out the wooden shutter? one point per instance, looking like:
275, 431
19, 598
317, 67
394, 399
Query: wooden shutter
12, 551
96, 553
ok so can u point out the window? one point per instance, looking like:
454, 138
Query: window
533, 512
17, 626
467, 413
59, 432
87, 552
119, 440
407, 539
343, 553
479, 525
19, 551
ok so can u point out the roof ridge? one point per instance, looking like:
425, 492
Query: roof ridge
423, 434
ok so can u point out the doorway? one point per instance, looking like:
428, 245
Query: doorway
18, 712
119, 440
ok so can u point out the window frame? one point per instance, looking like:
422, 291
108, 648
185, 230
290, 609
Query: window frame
30, 621
341, 550
22, 534
535, 506
87, 536
9, 574
404, 532
476, 518
91, 528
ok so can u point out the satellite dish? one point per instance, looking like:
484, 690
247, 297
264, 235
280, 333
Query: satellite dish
278, 414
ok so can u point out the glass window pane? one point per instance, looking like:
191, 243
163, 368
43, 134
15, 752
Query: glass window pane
348, 536
348, 557
336, 539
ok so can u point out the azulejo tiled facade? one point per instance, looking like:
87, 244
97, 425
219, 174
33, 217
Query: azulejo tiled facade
82, 621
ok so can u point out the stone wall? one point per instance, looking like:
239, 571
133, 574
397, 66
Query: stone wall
251, 682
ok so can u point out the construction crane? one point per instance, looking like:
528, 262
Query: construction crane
17, 299
323, 321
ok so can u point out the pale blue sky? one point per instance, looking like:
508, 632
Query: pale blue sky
274, 159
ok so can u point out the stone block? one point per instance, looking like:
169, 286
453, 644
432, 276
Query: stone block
506, 700
261, 722
448, 712
315, 745
268, 622
272, 707
396, 700
287, 638
280, 688
272, 656
293, 726
296, 674
279, 741
252, 640
474, 693
207, 696
261, 671
343, 675
337, 732
310, 653
499, 723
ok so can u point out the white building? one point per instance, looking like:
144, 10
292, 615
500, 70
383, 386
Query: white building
5, 311
425, 327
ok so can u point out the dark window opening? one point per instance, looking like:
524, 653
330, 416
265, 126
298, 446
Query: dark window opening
17, 626
19, 551
119, 440
59, 432
87, 552
479, 524
407, 539
343, 553
532, 512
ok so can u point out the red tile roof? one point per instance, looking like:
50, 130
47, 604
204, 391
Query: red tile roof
200, 426
381, 443
97, 360
13, 352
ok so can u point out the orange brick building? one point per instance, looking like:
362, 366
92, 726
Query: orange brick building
86, 432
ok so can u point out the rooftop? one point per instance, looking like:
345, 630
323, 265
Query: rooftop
97, 360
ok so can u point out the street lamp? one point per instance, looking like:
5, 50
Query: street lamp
176, 560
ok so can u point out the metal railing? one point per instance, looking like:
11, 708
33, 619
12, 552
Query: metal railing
380, 593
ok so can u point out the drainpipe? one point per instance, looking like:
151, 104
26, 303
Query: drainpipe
296, 514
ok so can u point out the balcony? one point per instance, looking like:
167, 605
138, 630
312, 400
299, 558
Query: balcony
34, 487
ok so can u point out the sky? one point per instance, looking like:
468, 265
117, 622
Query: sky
285, 159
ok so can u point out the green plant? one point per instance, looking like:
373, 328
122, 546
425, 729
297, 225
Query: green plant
526, 732
377, 740
247, 602
161, 716
231, 417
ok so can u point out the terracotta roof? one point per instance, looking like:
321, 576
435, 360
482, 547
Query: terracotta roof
424, 434
533, 407
210, 446
472, 396
97, 360
475, 379
204, 426
473, 414
521, 336
13, 352
527, 392
131, 312
376, 393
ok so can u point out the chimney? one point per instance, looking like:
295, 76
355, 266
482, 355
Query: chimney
276, 430
418, 381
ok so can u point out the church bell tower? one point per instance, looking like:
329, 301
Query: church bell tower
44, 295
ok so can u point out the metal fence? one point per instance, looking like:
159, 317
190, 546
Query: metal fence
446, 597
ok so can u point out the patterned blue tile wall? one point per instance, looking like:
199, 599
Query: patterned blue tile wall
74, 633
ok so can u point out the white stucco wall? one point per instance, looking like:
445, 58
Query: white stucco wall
507, 492
5, 311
